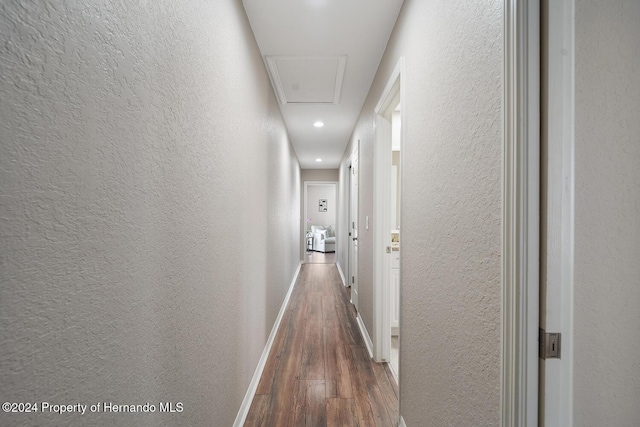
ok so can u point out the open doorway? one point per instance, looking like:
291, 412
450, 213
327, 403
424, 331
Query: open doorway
394, 229
320, 213
387, 237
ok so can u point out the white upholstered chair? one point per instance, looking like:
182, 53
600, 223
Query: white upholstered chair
324, 238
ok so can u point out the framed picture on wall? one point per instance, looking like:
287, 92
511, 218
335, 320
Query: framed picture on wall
322, 205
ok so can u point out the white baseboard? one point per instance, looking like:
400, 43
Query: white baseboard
365, 335
344, 281
402, 424
394, 372
253, 385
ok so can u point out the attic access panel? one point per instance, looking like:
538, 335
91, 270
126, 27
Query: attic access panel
307, 79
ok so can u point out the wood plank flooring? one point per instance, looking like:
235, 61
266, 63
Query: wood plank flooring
311, 257
319, 372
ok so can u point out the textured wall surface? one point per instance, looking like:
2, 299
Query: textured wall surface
137, 139
314, 194
607, 214
451, 196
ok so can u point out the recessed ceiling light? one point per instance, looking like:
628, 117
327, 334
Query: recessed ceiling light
318, 160
318, 124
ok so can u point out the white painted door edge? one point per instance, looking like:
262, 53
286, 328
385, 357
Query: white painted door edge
557, 396
381, 239
255, 380
520, 215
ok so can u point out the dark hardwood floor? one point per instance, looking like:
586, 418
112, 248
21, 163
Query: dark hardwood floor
319, 372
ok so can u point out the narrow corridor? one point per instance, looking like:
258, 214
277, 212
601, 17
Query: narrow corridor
319, 372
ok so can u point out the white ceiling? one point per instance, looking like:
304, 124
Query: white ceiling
321, 56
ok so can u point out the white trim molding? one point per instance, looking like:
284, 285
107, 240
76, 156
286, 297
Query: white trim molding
520, 215
255, 380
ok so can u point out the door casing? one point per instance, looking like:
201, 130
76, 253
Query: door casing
391, 96
305, 201
520, 213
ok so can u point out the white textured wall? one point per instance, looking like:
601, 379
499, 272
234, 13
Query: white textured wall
136, 139
450, 344
607, 214
314, 194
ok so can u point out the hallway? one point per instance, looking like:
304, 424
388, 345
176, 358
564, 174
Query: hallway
152, 211
318, 372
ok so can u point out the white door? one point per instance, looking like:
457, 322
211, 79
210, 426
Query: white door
353, 224
386, 212
394, 279
394, 224
556, 293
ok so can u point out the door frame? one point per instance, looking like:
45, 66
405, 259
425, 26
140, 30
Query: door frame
520, 213
306, 186
381, 195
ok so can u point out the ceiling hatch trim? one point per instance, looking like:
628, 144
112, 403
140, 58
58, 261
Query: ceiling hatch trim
306, 79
